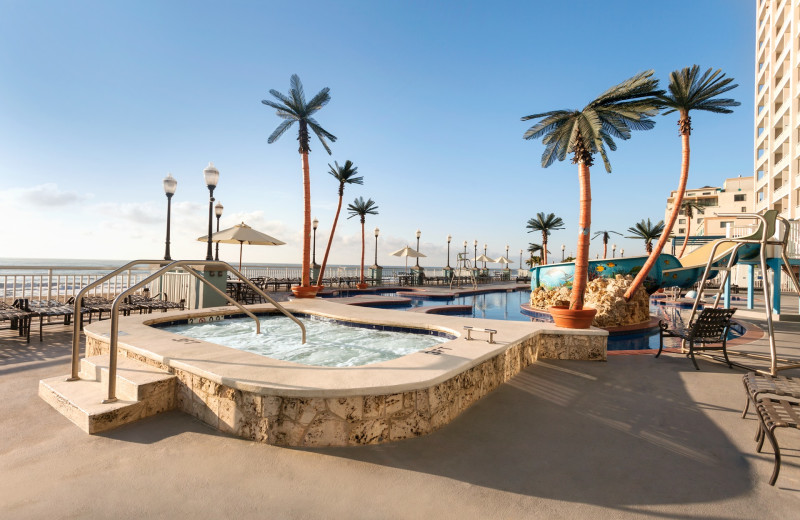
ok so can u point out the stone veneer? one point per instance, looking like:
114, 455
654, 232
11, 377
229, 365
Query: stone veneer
355, 420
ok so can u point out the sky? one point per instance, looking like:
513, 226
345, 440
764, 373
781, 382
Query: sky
99, 100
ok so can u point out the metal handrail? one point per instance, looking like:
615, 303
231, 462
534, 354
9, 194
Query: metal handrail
114, 335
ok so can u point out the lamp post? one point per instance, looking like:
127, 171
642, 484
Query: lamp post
377, 232
475, 261
169, 189
622, 253
218, 212
211, 176
520, 258
563, 248
613, 250
314, 224
465, 248
449, 238
484, 254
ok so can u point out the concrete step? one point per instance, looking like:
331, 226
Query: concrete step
135, 381
142, 391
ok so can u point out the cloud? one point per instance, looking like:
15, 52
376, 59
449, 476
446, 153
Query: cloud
139, 212
48, 195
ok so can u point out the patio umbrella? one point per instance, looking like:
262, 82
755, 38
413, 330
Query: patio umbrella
483, 258
504, 260
406, 252
242, 234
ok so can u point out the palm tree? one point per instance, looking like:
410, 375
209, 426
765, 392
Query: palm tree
294, 108
647, 232
606, 235
533, 249
362, 209
583, 133
689, 207
345, 175
688, 90
545, 223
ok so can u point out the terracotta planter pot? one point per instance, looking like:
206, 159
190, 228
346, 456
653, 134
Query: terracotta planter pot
572, 319
361, 286
304, 292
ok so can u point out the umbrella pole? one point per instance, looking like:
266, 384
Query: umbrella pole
241, 245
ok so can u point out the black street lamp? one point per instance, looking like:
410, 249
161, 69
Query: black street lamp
563, 248
484, 254
314, 224
169, 189
419, 233
377, 232
218, 212
613, 250
475, 261
211, 176
520, 258
622, 253
449, 238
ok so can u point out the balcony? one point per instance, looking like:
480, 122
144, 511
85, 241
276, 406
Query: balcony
781, 192
781, 165
762, 205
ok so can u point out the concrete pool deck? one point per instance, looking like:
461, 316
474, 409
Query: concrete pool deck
635, 437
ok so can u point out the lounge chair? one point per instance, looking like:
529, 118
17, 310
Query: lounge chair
711, 327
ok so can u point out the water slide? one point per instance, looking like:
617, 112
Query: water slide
669, 271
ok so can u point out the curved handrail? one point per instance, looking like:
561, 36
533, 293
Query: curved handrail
77, 318
186, 264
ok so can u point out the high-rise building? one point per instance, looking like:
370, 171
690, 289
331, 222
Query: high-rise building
777, 107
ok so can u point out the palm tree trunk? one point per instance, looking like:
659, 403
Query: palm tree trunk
648, 247
584, 225
605, 249
362, 250
686, 238
544, 247
306, 275
330, 241
673, 216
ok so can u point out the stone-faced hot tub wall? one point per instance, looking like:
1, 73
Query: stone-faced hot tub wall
271, 416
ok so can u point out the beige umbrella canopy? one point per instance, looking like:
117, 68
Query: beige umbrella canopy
242, 234
484, 258
406, 252
504, 260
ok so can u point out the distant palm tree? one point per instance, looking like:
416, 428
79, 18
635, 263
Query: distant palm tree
647, 232
361, 209
533, 249
545, 224
689, 207
583, 133
345, 175
606, 235
688, 90
294, 108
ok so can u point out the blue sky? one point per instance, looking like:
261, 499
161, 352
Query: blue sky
99, 100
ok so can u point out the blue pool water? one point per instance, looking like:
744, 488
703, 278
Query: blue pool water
501, 305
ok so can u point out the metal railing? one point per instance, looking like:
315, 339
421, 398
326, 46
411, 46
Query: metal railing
165, 267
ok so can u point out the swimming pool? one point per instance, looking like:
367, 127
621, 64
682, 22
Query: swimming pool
503, 305
329, 343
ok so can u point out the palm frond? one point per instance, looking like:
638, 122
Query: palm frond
689, 90
319, 100
283, 127
360, 208
296, 91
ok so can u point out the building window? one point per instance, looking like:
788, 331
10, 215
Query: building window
681, 231
681, 221
744, 209
700, 220
723, 225
739, 198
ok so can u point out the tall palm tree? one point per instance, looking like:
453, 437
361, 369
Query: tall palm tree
647, 232
688, 90
689, 207
606, 235
345, 175
583, 133
545, 224
294, 108
361, 208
